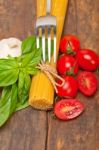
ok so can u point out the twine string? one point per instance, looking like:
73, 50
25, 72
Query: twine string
51, 73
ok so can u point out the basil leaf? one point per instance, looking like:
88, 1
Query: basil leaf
31, 70
23, 87
31, 59
4, 96
21, 106
8, 64
23, 103
5, 111
36, 58
24, 98
14, 98
8, 77
20, 85
8, 72
28, 44
10, 104
27, 83
26, 59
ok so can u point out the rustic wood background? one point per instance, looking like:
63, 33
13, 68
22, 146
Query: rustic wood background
37, 130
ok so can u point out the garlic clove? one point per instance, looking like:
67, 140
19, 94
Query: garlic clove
10, 47
4, 49
15, 47
13, 42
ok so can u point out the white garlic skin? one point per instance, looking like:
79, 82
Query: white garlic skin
10, 47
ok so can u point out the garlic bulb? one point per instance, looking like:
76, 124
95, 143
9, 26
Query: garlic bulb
10, 47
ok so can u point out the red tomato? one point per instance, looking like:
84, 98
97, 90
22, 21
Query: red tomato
87, 83
70, 87
87, 59
69, 44
67, 109
67, 64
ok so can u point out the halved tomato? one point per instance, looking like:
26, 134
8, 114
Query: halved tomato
67, 109
87, 83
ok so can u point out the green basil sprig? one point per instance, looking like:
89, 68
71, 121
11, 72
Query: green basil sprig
15, 78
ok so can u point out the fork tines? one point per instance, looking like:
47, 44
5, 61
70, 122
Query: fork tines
46, 30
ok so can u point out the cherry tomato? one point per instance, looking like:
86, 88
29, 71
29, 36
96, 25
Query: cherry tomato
69, 44
87, 83
70, 87
67, 109
87, 59
67, 64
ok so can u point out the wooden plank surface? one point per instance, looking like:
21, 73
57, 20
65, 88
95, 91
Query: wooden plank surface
26, 130
82, 133
37, 130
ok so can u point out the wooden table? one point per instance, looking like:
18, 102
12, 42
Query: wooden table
30, 129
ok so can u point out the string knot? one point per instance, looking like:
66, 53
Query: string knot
51, 73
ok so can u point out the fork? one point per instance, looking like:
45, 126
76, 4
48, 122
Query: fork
46, 22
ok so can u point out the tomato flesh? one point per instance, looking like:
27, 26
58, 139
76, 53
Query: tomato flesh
87, 59
67, 64
87, 83
67, 109
70, 87
69, 44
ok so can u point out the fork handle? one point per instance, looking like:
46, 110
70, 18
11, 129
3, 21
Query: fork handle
48, 6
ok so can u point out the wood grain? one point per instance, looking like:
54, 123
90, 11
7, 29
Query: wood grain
82, 133
31, 129
26, 130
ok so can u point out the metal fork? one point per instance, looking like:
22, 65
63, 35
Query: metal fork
46, 22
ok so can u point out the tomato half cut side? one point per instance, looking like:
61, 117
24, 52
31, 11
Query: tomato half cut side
67, 109
87, 83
